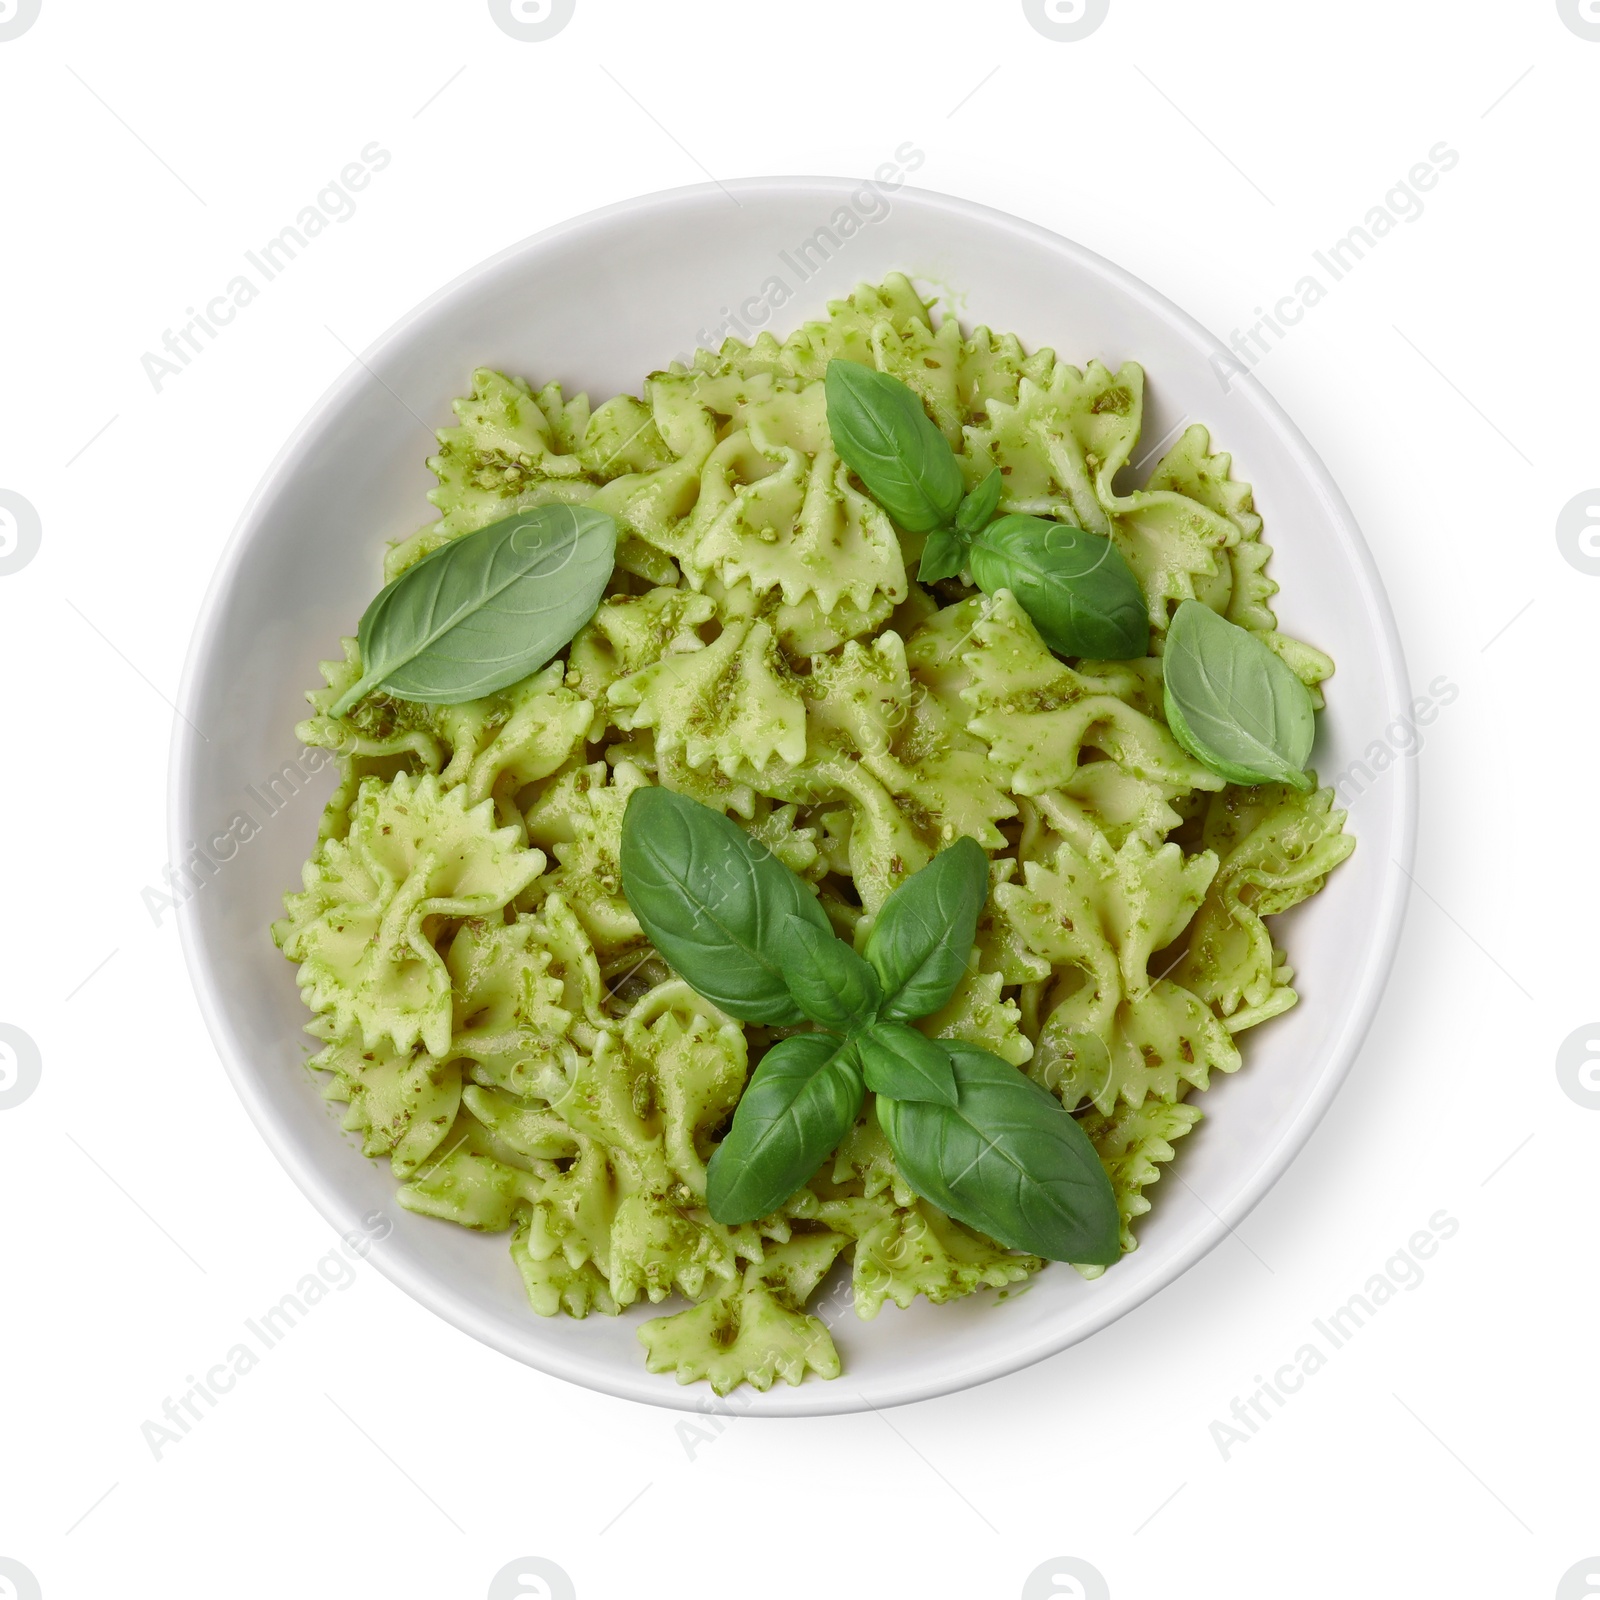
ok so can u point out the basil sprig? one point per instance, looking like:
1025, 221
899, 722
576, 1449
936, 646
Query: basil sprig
486, 609
970, 1132
1233, 703
1076, 586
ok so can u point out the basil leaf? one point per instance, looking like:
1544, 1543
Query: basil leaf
1007, 1160
1232, 703
828, 980
943, 556
977, 510
1081, 594
799, 1103
716, 903
486, 609
906, 1065
885, 437
922, 941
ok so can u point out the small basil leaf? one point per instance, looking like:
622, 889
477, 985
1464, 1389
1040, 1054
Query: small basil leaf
828, 980
943, 556
1007, 1160
716, 903
885, 437
486, 609
1232, 703
799, 1103
906, 1065
922, 941
977, 510
1079, 591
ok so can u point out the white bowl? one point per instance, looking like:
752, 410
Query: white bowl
597, 303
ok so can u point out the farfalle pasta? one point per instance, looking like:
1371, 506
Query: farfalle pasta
490, 1012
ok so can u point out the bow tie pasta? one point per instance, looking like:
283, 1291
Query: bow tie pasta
492, 1016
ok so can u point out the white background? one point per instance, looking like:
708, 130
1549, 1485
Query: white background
1447, 381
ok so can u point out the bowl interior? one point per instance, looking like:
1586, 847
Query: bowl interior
597, 304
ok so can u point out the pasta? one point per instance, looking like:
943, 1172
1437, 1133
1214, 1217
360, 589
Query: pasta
490, 1013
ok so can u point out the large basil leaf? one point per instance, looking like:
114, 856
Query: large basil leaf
1007, 1160
885, 437
1232, 703
906, 1065
922, 941
715, 902
1079, 591
799, 1103
828, 980
486, 609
